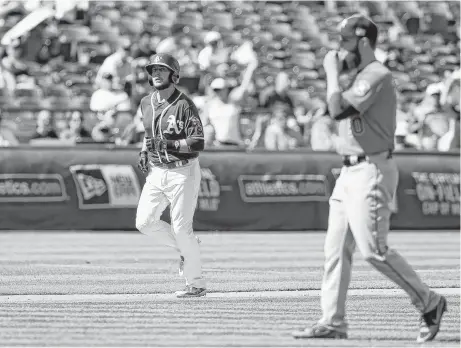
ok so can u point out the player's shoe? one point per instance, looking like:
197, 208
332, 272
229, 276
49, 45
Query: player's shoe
181, 265
191, 291
319, 331
430, 322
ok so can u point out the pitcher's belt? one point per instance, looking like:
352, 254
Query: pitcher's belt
172, 165
352, 160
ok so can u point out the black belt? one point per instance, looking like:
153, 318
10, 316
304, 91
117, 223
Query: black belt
172, 165
352, 160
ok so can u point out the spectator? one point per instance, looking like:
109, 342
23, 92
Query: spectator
280, 135
142, 48
7, 81
45, 126
118, 64
224, 108
319, 128
278, 93
429, 121
213, 53
134, 132
450, 104
257, 139
76, 132
171, 44
7, 137
323, 133
404, 120
187, 56
47, 50
108, 98
12, 63
208, 129
103, 132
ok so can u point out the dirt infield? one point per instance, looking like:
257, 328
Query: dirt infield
114, 289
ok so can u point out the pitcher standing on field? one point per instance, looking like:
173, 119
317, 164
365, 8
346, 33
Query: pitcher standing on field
360, 205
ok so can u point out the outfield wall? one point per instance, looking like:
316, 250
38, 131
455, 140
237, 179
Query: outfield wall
97, 188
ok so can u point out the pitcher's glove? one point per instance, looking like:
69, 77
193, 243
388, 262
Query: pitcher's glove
143, 164
160, 144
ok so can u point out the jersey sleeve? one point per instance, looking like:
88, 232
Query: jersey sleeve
365, 89
193, 125
140, 107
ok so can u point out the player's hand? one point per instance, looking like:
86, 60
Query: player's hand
143, 164
160, 144
150, 145
331, 63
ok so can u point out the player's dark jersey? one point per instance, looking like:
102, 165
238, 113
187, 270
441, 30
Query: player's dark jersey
175, 119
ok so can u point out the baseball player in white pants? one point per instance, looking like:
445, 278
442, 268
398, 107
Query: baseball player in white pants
173, 140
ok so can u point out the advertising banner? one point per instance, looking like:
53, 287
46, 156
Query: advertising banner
265, 191
99, 188
32, 188
428, 193
106, 186
70, 188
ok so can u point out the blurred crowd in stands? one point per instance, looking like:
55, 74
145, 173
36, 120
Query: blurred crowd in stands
73, 71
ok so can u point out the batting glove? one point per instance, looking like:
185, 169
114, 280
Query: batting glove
143, 164
150, 144
160, 144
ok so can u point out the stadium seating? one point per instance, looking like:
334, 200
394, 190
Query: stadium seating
291, 36
302, 28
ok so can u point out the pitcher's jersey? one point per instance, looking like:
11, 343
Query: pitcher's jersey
372, 130
175, 119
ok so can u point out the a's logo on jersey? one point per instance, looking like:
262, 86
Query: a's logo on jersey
173, 126
361, 87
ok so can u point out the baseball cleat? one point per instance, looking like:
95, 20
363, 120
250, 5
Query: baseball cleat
319, 331
191, 291
430, 322
181, 265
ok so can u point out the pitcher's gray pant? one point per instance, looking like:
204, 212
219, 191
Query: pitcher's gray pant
360, 210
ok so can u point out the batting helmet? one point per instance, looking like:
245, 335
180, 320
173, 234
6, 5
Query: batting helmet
166, 60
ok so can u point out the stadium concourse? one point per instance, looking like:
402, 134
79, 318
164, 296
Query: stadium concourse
109, 289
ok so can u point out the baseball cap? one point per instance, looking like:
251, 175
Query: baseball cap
212, 36
359, 26
434, 88
218, 83
107, 76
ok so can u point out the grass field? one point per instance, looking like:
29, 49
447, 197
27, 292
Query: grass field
115, 289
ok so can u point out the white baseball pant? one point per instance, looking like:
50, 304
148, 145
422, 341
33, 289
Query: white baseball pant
178, 187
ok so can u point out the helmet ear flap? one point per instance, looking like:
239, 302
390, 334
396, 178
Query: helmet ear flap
174, 78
